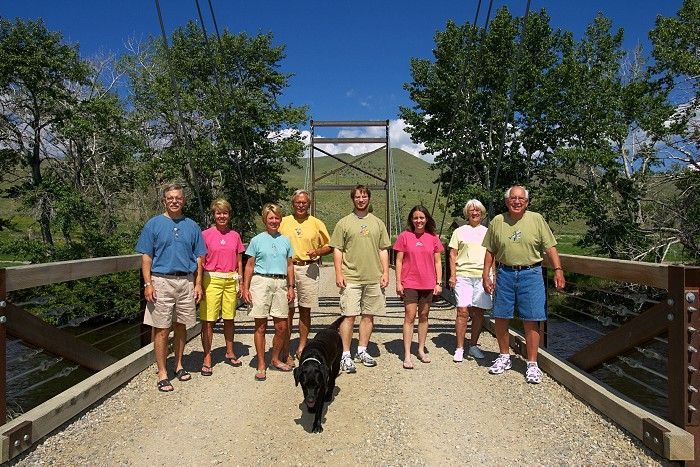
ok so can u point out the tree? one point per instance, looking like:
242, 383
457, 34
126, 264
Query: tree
480, 79
36, 72
213, 118
607, 117
676, 43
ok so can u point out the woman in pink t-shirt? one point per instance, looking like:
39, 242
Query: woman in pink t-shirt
418, 277
222, 267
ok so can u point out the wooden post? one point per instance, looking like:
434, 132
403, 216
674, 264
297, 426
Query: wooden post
3, 348
543, 324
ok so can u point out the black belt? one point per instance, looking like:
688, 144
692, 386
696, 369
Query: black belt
176, 273
273, 276
520, 268
304, 263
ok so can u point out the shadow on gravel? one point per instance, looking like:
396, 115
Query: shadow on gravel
395, 347
306, 419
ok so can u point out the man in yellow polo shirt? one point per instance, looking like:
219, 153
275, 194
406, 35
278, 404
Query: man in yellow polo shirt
309, 238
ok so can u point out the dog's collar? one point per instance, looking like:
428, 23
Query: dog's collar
311, 359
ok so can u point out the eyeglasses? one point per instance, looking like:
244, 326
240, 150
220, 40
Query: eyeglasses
517, 198
300, 203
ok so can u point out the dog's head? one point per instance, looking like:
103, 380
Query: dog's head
313, 377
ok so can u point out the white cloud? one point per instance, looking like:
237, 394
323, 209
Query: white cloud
398, 138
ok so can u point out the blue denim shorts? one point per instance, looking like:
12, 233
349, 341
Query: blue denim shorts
523, 289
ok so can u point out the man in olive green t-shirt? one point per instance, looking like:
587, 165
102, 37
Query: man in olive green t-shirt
361, 262
517, 240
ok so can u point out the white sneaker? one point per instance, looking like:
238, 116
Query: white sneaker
533, 374
347, 365
366, 359
501, 364
459, 355
476, 352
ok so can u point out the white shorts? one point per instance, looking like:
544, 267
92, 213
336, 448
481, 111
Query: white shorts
470, 292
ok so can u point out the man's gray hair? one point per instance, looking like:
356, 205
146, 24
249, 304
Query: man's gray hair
299, 192
172, 187
507, 193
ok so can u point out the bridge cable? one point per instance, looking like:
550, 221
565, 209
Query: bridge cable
245, 139
508, 111
182, 127
452, 175
221, 96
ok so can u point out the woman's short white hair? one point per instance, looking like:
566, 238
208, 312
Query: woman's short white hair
473, 203
506, 195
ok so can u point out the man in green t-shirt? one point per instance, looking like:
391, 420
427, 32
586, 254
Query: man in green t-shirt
361, 262
517, 240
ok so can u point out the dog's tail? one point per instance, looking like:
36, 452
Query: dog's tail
336, 323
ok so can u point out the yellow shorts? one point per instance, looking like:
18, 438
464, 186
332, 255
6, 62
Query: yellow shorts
220, 296
362, 299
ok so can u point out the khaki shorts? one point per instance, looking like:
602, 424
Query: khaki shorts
306, 278
220, 296
362, 299
269, 297
174, 302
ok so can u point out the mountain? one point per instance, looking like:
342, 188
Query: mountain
414, 184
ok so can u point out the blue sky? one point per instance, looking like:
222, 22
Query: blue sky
349, 59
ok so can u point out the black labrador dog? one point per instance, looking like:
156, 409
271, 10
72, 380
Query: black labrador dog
318, 368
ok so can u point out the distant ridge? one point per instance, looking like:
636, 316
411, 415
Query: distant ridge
414, 183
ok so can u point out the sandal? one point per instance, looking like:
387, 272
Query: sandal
282, 367
183, 375
233, 361
260, 376
424, 358
407, 366
164, 384
206, 370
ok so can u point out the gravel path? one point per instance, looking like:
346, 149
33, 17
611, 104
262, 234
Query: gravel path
440, 413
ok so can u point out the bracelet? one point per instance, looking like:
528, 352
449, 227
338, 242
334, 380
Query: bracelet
147, 284
293, 286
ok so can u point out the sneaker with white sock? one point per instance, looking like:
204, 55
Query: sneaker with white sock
501, 364
459, 355
476, 352
347, 365
533, 374
366, 359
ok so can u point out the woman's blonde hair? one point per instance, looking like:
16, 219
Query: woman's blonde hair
220, 204
271, 208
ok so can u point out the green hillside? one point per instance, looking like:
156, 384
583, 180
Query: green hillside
414, 184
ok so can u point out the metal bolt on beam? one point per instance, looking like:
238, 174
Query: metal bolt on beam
691, 408
3, 303
691, 329
3, 319
690, 297
692, 349
692, 309
692, 369
25, 438
16, 443
670, 302
669, 317
692, 388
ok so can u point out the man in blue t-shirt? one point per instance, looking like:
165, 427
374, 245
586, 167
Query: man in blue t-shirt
172, 250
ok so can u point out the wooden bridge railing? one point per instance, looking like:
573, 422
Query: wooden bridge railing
676, 316
17, 322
